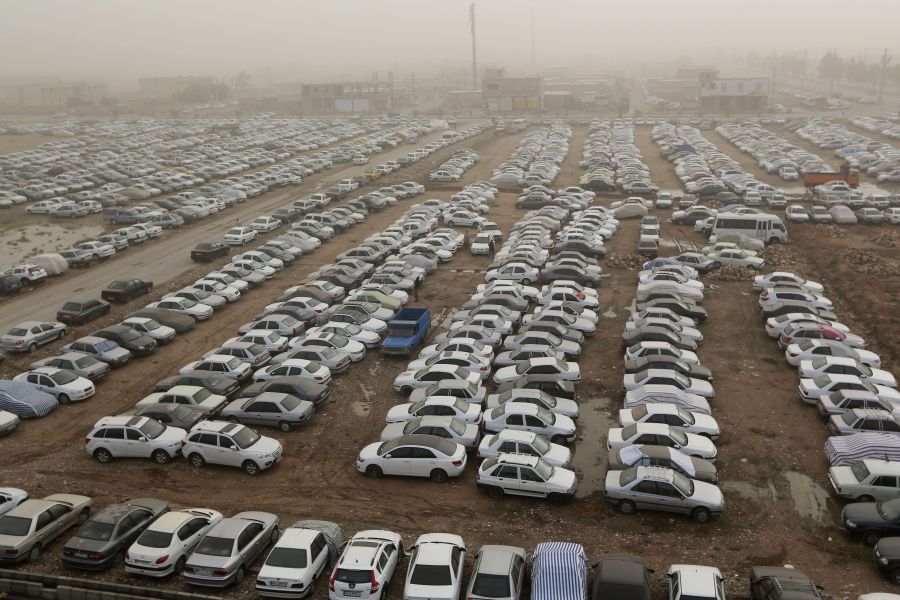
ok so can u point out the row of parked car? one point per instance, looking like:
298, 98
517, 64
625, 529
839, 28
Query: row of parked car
536, 160
612, 161
857, 399
878, 159
661, 455
207, 549
772, 153
454, 167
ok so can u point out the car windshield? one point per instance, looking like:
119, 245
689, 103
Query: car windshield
289, 403
94, 530
155, 539
544, 470
627, 476
436, 575
215, 546
182, 412
458, 427
245, 438
849, 418
686, 416
152, 429
860, 471
85, 361
679, 437
14, 526
545, 415
63, 377
233, 363
491, 586
683, 484
639, 413
288, 558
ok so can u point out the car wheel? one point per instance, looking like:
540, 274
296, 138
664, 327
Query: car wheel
439, 476
103, 456
83, 516
865, 498
250, 467
526, 281
239, 576
451, 223
284, 426
161, 457
374, 472
34, 553
62, 334
870, 538
32, 348
231, 419
274, 537
197, 461
179, 566
554, 498
558, 439
496, 492
406, 390
626, 507
63, 399
700, 515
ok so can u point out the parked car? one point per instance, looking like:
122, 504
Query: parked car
65, 385
622, 576
270, 408
133, 437
225, 554
366, 565
79, 312
102, 349
243, 447
163, 547
435, 567
298, 559
416, 455
498, 574
34, 523
209, 251
126, 290
520, 475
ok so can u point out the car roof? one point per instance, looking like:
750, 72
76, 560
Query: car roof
516, 435
655, 473
517, 459
123, 420
697, 580
623, 569
297, 537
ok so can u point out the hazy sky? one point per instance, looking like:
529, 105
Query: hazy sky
312, 39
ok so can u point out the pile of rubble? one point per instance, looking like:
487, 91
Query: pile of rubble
778, 256
888, 239
732, 273
830, 231
626, 261
868, 264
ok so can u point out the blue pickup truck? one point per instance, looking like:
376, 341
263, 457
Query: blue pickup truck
406, 331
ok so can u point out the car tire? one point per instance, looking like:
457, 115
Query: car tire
626, 507
870, 538
34, 553
701, 515
83, 515
63, 399
865, 498
374, 472
103, 456
232, 419
32, 348
250, 468
179, 566
239, 576
285, 426
526, 282
274, 537
439, 476
197, 461
496, 492
406, 390
62, 334
161, 457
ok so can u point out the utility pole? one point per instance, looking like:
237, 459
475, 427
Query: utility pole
474, 56
533, 71
885, 59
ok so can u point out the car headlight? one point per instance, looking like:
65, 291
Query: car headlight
883, 560
849, 523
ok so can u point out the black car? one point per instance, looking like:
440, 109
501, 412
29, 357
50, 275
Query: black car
887, 558
278, 253
173, 415
125, 289
648, 248
130, 339
102, 540
781, 583
679, 307
287, 215
872, 520
209, 251
301, 387
217, 384
621, 576
79, 312
9, 285
669, 362
177, 321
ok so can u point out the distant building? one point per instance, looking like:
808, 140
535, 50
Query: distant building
681, 90
53, 95
704, 75
168, 89
579, 92
347, 97
502, 94
735, 94
465, 99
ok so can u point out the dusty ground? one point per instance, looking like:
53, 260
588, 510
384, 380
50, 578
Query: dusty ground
17, 143
771, 456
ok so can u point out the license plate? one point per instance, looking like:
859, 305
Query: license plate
81, 555
203, 572
279, 583
352, 594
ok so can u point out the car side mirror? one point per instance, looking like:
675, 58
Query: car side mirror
232, 447
387, 455
142, 439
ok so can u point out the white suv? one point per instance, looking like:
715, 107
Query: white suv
230, 444
696, 582
435, 568
133, 437
163, 547
366, 565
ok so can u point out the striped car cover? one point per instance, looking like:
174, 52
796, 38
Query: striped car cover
850, 449
559, 572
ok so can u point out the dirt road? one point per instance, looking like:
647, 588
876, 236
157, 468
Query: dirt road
771, 459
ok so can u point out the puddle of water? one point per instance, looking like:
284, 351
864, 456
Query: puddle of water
809, 498
589, 459
22, 242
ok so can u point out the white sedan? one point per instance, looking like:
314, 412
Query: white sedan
761, 282
633, 381
65, 385
649, 349
810, 349
530, 417
351, 331
238, 236
472, 362
562, 370
515, 271
737, 258
199, 312
661, 435
827, 365
437, 406
163, 547
295, 367
812, 389
673, 415
775, 326
265, 223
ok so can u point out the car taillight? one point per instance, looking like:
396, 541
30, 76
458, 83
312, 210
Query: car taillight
794, 354
68, 552
220, 573
484, 369
11, 552
183, 443
457, 463
19, 342
787, 339
374, 583
331, 580
159, 560
764, 298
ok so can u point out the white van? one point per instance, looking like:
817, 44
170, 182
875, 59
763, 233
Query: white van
762, 226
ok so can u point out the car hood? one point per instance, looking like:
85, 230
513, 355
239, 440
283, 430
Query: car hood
265, 445
708, 494
864, 513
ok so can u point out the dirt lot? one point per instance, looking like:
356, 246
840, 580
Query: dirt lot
10, 143
771, 459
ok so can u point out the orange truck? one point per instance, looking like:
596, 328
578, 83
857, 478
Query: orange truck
849, 175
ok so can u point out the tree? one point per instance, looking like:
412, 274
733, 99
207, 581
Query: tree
831, 66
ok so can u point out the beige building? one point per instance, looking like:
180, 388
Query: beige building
347, 97
167, 89
502, 94
735, 94
53, 95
